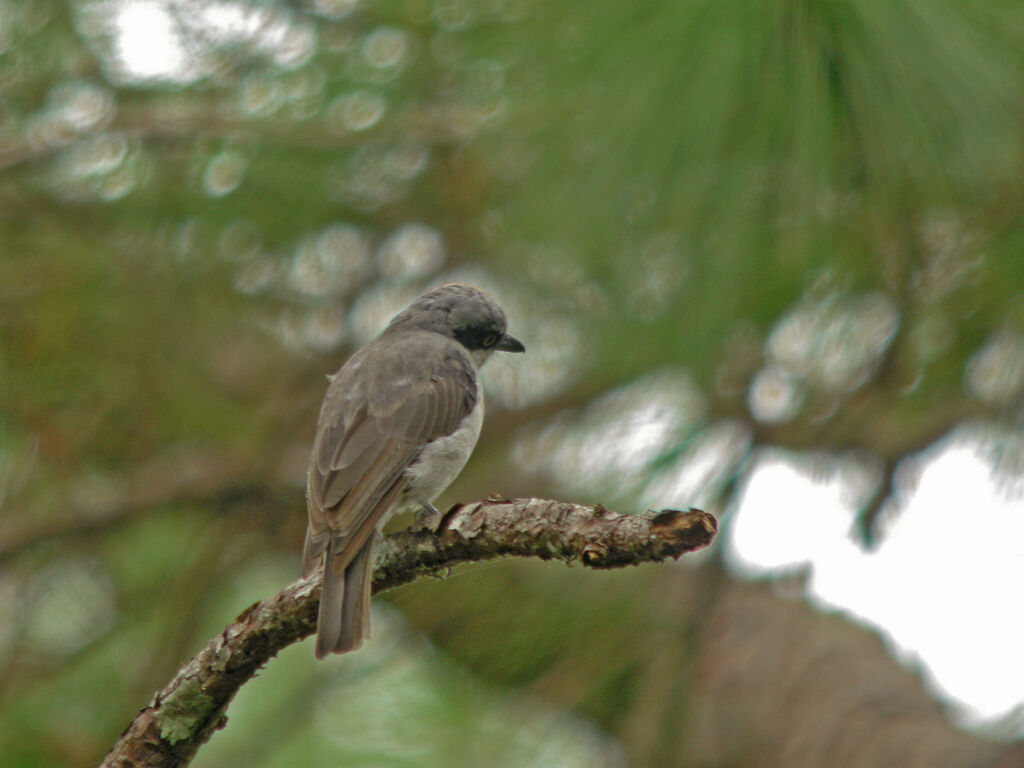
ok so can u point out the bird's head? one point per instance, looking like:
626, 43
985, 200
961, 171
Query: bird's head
467, 314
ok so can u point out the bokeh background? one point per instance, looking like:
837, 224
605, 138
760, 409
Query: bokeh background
766, 257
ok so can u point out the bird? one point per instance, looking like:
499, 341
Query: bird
398, 422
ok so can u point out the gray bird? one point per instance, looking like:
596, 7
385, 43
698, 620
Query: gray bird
397, 425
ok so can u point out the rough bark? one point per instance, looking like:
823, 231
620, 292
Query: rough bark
184, 714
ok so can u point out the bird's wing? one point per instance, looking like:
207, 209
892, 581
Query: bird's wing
381, 408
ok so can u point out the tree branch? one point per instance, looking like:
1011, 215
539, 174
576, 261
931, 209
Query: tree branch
183, 716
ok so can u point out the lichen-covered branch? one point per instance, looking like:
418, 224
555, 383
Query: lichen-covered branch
182, 716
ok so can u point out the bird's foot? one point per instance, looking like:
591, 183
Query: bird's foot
428, 518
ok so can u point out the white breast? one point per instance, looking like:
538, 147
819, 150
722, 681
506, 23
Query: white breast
442, 459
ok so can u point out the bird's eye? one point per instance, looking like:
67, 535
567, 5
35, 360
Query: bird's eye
490, 339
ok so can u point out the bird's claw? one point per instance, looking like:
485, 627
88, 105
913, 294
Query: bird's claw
428, 518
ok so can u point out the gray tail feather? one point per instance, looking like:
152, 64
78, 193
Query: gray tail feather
344, 620
312, 552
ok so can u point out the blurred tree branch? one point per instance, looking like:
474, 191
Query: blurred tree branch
242, 495
183, 716
178, 122
198, 479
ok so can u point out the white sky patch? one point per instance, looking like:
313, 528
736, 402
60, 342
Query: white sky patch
165, 40
147, 45
943, 585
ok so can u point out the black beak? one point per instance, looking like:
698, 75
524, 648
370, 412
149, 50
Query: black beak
509, 343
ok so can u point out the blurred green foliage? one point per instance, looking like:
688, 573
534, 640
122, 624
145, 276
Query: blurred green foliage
717, 225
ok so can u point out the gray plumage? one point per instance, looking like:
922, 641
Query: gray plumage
397, 424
